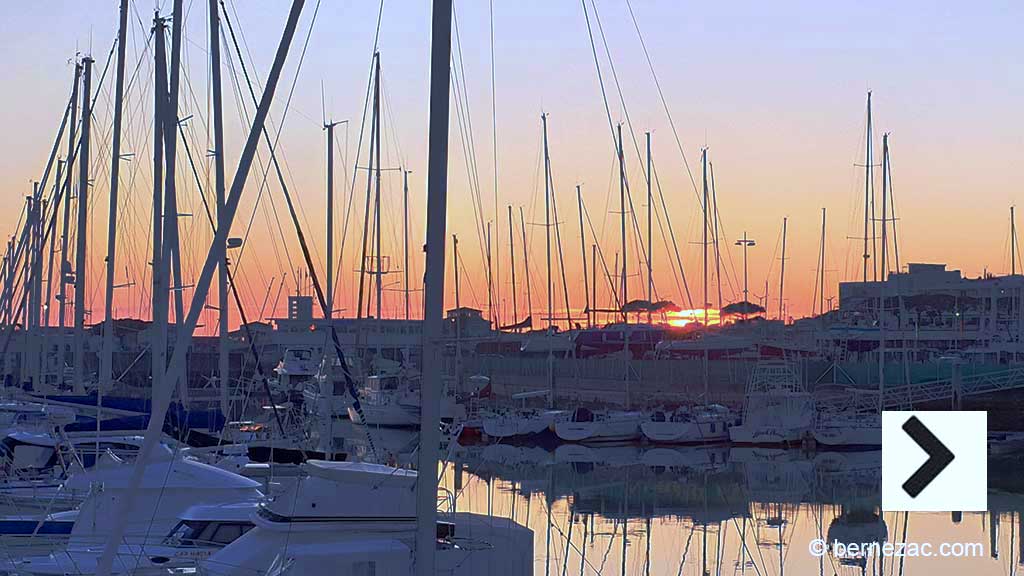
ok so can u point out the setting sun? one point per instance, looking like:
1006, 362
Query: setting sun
686, 317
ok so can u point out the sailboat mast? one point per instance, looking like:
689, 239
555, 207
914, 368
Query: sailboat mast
107, 360
885, 212
458, 306
583, 253
622, 225
526, 268
433, 291
329, 126
223, 358
868, 204
512, 261
65, 229
821, 268
650, 246
81, 231
158, 336
47, 318
405, 237
782, 272
369, 191
547, 244
1013, 243
704, 232
171, 245
547, 224
492, 316
593, 282
378, 261
714, 234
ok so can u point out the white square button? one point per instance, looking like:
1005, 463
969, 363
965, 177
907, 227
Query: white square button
955, 478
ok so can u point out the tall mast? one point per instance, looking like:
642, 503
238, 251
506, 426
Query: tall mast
458, 305
704, 231
547, 244
593, 281
885, 212
868, 201
512, 261
47, 302
405, 236
492, 316
526, 268
329, 126
369, 190
583, 253
433, 292
622, 224
81, 231
821, 268
714, 235
171, 247
1013, 243
107, 361
547, 226
650, 246
378, 264
223, 356
158, 336
782, 272
32, 281
65, 264
704, 259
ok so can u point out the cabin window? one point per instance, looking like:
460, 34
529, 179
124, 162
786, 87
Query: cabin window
713, 428
228, 533
186, 533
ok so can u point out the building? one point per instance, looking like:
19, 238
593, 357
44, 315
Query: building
929, 311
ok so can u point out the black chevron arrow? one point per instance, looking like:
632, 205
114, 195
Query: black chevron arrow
938, 456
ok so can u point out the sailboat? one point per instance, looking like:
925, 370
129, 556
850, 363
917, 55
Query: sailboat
859, 425
689, 425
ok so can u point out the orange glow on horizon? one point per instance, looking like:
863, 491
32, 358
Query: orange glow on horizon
696, 315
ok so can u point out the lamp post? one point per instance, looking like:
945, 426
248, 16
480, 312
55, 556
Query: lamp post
746, 243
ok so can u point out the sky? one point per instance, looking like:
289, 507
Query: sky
775, 91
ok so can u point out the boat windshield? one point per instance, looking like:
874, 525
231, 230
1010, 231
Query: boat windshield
192, 533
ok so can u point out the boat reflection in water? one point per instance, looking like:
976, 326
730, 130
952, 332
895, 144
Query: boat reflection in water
720, 510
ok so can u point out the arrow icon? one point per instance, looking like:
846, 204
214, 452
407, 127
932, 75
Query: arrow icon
938, 456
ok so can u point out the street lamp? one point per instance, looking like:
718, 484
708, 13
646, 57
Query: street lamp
746, 243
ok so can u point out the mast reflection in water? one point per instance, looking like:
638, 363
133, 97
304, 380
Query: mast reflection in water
720, 510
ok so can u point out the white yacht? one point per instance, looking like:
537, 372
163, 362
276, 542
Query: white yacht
298, 365
310, 530
393, 401
201, 531
522, 422
599, 426
777, 410
170, 486
855, 427
689, 425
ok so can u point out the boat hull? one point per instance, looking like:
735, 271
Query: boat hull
609, 430
685, 432
768, 435
849, 437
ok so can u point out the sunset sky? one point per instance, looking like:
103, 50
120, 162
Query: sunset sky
776, 91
